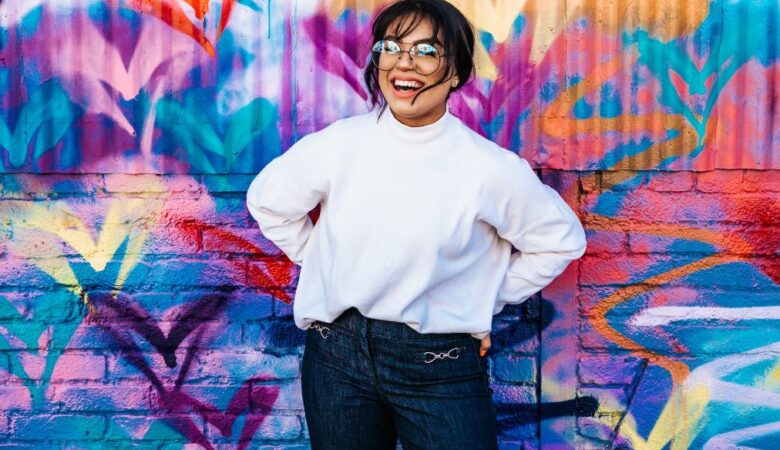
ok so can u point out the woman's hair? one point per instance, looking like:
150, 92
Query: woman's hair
456, 33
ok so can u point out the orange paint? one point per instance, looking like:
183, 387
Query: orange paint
227, 9
175, 17
597, 317
559, 123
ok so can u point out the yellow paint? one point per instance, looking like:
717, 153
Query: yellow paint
679, 422
40, 228
772, 380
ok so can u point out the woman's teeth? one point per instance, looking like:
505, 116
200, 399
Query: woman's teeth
405, 85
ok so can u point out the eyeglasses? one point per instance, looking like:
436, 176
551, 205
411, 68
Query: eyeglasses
386, 53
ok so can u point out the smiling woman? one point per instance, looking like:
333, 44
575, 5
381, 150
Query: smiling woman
412, 253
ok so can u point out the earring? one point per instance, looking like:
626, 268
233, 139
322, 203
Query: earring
455, 83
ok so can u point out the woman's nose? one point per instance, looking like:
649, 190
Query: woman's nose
405, 61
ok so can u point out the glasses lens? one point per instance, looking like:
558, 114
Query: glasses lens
426, 58
384, 54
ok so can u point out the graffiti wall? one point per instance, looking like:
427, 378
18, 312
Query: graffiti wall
141, 306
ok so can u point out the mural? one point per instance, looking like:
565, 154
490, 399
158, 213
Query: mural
140, 304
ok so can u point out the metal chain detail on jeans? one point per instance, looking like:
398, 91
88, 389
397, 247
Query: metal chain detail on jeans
453, 353
323, 330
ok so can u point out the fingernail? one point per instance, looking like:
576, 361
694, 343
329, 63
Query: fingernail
482, 352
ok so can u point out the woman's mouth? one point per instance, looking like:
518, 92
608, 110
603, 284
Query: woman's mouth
406, 88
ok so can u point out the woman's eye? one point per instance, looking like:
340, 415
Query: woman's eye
426, 50
386, 47
391, 47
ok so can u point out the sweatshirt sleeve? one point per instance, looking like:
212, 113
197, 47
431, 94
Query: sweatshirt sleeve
282, 194
539, 224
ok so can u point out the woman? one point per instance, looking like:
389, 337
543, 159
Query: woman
411, 256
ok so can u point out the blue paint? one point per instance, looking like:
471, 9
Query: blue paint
611, 105
486, 39
583, 109
549, 91
30, 22
625, 150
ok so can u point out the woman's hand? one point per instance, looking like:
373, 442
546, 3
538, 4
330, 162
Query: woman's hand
484, 345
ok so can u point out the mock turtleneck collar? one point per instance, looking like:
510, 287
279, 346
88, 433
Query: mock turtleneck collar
415, 135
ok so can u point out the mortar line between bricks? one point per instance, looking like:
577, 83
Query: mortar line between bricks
635, 387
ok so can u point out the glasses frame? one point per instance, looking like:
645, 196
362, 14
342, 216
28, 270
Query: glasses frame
375, 61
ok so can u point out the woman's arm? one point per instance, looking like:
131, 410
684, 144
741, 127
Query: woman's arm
539, 224
284, 192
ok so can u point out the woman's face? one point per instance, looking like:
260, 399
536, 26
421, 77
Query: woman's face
429, 105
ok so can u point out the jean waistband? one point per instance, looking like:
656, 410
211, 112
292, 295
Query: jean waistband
353, 321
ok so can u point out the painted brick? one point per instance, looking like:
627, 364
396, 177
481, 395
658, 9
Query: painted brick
591, 339
196, 273
514, 394
274, 334
151, 184
166, 240
278, 427
235, 367
120, 367
58, 427
611, 399
75, 365
106, 278
645, 206
515, 369
17, 273
597, 271
600, 241
40, 306
249, 241
218, 396
100, 398
761, 181
14, 397
600, 428
671, 181
603, 370
272, 274
590, 182
727, 181
146, 427
289, 397
523, 431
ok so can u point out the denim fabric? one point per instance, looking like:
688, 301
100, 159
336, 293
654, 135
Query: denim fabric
367, 383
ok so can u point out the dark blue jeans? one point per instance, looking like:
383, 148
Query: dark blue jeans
367, 383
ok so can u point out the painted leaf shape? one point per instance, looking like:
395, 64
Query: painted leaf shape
245, 124
48, 114
192, 134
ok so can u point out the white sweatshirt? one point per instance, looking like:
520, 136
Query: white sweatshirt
416, 226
